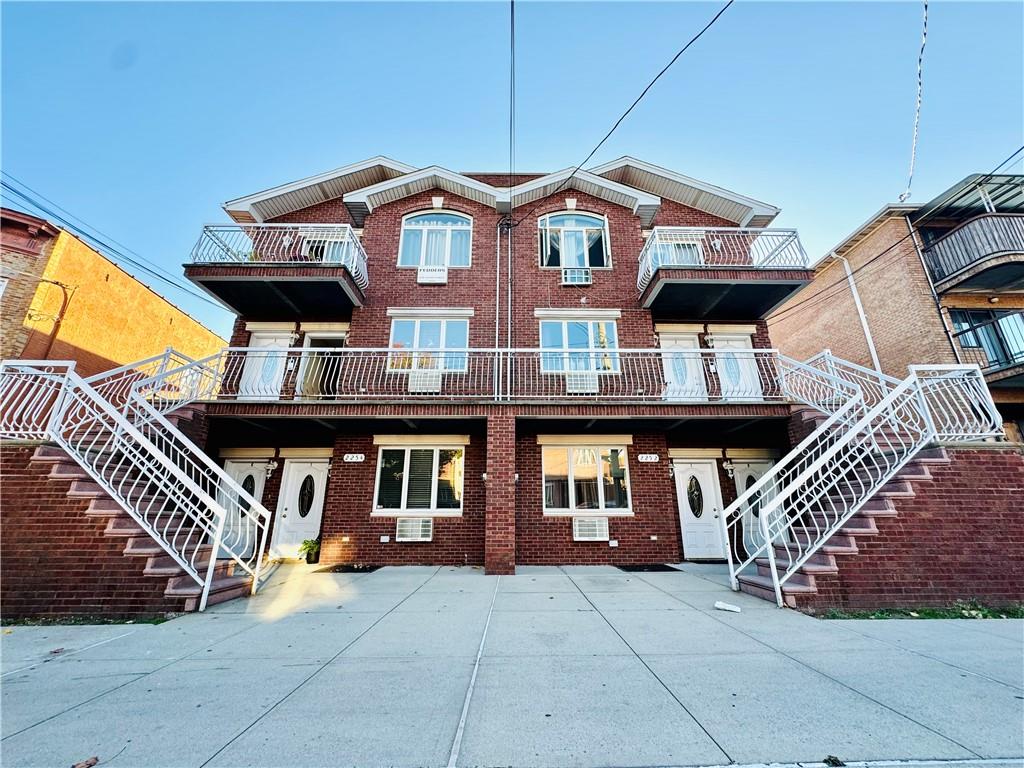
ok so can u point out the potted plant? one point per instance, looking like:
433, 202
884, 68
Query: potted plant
311, 549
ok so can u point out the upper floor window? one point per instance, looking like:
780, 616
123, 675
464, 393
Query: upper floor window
574, 240
427, 341
435, 239
582, 345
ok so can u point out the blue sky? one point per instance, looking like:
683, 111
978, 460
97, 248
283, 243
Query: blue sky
143, 118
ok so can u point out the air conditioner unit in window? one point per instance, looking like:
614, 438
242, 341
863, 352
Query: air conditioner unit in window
590, 529
432, 275
576, 276
425, 381
582, 383
414, 529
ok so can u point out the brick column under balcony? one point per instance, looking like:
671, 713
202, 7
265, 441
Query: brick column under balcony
500, 520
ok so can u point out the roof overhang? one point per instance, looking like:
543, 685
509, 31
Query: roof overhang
296, 195
745, 211
643, 204
865, 230
361, 202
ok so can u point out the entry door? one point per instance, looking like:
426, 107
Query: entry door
239, 535
684, 373
320, 372
300, 505
737, 371
700, 509
746, 474
263, 371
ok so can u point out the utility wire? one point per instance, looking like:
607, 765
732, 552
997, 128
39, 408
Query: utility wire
824, 294
632, 106
917, 107
100, 244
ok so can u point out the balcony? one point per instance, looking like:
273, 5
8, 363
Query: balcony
280, 271
997, 347
983, 254
646, 376
720, 273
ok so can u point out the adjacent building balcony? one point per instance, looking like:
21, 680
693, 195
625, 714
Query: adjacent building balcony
997, 347
280, 271
985, 253
543, 376
720, 273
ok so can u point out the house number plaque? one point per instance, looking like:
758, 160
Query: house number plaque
354, 458
647, 458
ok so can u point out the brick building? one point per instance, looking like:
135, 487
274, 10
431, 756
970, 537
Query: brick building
430, 367
939, 283
61, 300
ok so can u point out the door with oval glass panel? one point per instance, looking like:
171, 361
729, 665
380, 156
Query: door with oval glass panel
684, 370
240, 535
264, 366
746, 474
738, 375
700, 507
300, 505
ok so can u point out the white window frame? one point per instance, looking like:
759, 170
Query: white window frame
442, 353
423, 240
403, 511
572, 510
605, 239
591, 350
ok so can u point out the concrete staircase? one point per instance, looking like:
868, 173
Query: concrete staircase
154, 562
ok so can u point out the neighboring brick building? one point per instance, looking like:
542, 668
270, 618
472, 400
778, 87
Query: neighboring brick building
62, 300
939, 283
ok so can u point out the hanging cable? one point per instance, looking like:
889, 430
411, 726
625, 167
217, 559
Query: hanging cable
632, 106
917, 107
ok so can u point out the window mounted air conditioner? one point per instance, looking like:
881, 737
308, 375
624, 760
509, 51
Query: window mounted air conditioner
590, 529
425, 381
432, 275
576, 276
582, 383
414, 529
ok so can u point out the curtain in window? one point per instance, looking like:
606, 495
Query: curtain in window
421, 475
412, 245
459, 248
437, 240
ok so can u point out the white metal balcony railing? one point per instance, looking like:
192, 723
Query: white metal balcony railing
351, 374
994, 345
719, 247
258, 244
991, 234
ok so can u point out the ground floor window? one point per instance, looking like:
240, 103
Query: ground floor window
422, 481
585, 479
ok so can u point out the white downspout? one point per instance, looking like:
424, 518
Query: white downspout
860, 310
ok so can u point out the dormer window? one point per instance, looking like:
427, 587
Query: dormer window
574, 241
435, 239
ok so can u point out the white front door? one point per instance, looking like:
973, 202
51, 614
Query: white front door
263, 370
746, 474
700, 509
300, 505
737, 370
239, 533
684, 372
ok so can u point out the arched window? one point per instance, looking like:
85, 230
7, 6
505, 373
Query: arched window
437, 239
573, 240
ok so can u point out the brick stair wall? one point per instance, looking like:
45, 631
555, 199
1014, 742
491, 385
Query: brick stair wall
69, 549
948, 527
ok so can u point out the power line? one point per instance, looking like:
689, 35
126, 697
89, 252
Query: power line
917, 107
632, 106
97, 242
823, 295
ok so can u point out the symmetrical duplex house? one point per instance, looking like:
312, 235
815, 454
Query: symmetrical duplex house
431, 367
941, 282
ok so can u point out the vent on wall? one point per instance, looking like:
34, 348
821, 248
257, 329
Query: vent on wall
590, 529
414, 529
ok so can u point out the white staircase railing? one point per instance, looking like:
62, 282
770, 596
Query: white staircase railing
170, 488
810, 494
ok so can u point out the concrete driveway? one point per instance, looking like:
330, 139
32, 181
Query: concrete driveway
564, 666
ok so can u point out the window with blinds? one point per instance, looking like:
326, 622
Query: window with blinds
420, 480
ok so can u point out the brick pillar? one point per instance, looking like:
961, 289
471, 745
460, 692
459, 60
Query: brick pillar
500, 520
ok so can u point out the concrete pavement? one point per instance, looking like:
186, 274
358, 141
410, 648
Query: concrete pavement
572, 666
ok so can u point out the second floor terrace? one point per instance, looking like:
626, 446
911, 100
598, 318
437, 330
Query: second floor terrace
280, 271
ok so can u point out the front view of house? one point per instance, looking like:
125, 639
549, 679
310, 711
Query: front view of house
472, 368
